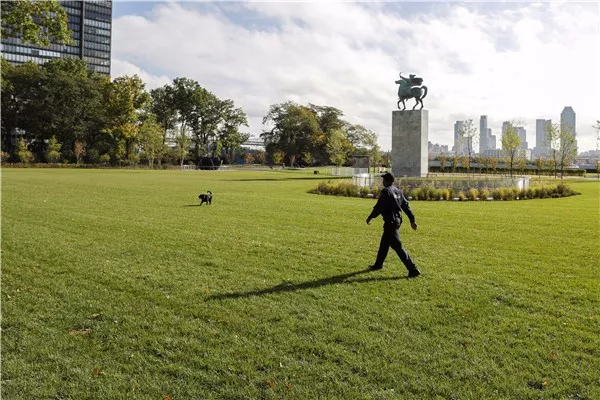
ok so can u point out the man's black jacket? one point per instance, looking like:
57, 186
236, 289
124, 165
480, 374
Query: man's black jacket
391, 201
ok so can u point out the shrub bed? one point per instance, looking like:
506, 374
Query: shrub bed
348, 189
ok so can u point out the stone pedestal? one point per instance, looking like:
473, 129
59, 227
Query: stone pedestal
410, 136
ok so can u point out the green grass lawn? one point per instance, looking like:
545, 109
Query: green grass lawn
116, 285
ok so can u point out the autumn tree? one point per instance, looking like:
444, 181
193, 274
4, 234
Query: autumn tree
442, 160
248, 158
511, 142
468, 133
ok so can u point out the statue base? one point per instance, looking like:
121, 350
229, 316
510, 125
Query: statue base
410, 137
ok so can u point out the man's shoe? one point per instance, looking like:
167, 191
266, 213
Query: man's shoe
413, 273
375, 267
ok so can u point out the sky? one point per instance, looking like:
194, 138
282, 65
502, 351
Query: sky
516, 61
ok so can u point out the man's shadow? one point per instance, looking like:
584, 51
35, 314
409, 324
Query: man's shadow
290, 287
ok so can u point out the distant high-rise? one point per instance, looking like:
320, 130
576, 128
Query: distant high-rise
483, 134
506, 126
90, 24
458, 142
523, 136
542, 145
491, 140
568, 122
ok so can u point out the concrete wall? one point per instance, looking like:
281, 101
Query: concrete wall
410, 135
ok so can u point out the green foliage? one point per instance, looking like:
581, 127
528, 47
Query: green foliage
472, 194
182, 141
484, 194
25, 156
53, 150
151, 139
104, 159
426, 192
35, 22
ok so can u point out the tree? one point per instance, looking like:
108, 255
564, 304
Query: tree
539, 165
454, 162
25, 156
386, 158
511, 142
53, 151
20, 85
307, 157
567, 150
468, 133
79, 150
494, 164
338, 148
364, 141
485, 162
126, 98
443, 160
295, 130
261, 156
563, 144
162, 105
278, 157
466, 163
182, 142
151, 139
229, 134
248, 158
522, 163
551, 164
35, 22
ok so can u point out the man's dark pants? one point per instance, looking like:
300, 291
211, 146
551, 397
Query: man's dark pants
391, 238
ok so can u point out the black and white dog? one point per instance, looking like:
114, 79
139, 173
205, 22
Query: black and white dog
206, 198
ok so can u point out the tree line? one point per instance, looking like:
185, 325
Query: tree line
63, 112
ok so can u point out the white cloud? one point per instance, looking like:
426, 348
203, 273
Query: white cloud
121, 68
522, 61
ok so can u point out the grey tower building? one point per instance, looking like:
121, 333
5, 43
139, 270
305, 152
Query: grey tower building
542, 145
90, 23
523, 136
484, 137
459, 146
568, 122
491, 140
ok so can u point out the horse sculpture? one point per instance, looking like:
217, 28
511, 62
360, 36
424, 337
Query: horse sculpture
411, 88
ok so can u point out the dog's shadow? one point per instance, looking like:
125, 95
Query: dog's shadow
191, 205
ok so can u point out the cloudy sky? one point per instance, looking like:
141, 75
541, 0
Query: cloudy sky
510, 61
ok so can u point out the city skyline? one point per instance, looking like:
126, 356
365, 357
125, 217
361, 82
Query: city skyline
504, 60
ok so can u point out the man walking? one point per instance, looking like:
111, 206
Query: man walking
389, 205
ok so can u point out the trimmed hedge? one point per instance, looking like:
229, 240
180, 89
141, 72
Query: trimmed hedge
348, 189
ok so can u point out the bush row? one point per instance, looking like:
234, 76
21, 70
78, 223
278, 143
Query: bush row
349, 189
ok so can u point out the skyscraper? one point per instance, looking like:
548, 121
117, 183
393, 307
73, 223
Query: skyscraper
523, 136
491, 140
568, 122
483, 134
461, 144
542, 145
90, 24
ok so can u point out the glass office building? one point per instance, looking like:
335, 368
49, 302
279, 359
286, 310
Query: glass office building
90, 24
